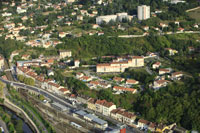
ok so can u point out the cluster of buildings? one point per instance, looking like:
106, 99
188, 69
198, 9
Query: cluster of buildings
45, 43
121, 89
94, 83
109, 109
14, 30
164, 76
143, 13
108, 18
120, 64
129, 118
41, 81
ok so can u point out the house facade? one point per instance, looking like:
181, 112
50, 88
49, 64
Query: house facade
120, 66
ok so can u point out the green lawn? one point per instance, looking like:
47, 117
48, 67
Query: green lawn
195, 15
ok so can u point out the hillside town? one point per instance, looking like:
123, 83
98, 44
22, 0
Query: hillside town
101, 65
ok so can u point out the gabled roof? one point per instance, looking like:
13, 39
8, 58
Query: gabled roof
143, 121
104, 103
63, 90
132, 81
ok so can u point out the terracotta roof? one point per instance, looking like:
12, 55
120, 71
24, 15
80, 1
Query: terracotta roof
92, 100
157, 63
161, 81
85, 78
50, 60
120, 62
114, 111
152, 125
118, 87
124, 89
94, 82
63, 90
104, 103
123, 113
72, 95
128, 114
105, 64
132, 81
32, 74
168, 49
54, 84
79, 73
137, 57
177, 73
143, 121
163, 69
118, 79
40, 78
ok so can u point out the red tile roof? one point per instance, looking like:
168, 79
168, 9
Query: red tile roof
119, 79
124, 89
92, 100
63, 90
161, 81
54, 84
94, 82
177, 73
105, 64
104, 103
165, 70
131, 81
138, 57
143, 121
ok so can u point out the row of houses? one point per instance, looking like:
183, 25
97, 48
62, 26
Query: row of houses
161, 80
129, 118
40, 81
128, 81
102, 84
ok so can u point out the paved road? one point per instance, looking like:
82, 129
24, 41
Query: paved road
159, 34
2, 124
148, 70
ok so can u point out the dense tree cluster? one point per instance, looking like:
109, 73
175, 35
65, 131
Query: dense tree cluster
75, 85
26, 80
90, 46
8, 46
178, 102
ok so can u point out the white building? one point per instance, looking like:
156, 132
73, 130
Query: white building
143, 12
177, 1
121, 65
104, 107
69, 1
76, 63
20, 10
1, 63
65, 53
108, 18
6, 14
